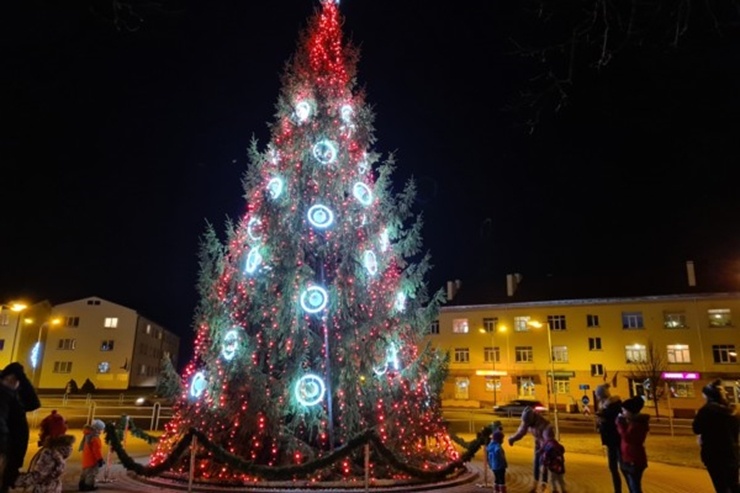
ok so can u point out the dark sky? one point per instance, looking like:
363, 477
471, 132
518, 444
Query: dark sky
118, 145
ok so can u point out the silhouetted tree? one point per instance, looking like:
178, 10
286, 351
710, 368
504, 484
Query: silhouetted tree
71, 387
87, 387
650, 372
169, 383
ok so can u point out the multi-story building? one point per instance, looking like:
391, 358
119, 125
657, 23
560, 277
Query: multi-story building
499, 348
20, 325
111, 345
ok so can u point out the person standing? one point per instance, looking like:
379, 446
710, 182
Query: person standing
609, 408
718, 424
633, 428
553, 460
497, 461
92, 454
47, 466
536, 424
23, 399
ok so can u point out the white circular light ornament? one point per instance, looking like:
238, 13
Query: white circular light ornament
302, 111
320, 216
230, 344
309, 390
325, 151
198, 384
362, 193
346, 112
400, 303
370, 262
275, 187
254, 259
253, 228
314, 299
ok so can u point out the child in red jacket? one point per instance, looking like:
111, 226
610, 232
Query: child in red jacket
92, 455
633, 428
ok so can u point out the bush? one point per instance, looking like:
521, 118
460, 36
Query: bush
88, 387
71, 387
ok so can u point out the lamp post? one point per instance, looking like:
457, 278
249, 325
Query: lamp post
18, 308
552, 374
36, 356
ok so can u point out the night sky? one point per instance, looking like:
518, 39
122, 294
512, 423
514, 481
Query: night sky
118, 145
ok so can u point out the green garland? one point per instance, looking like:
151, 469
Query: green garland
134, 430
290, 472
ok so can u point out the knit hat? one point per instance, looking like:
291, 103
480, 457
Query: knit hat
602, 392
97, 425
713, 391
15, 369
52, 426
528, 415
633, 404
498, 437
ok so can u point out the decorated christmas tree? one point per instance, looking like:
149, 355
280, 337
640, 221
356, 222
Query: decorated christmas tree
309, 333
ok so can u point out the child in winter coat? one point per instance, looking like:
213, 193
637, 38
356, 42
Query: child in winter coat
92, 455
497, 461
553, 459
47, 466
633, 428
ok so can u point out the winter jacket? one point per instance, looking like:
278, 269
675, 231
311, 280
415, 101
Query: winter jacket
535, 424
91, 447
718, 425
607, 417
47, 466
553, 456
23, 400
633, 432
496, 456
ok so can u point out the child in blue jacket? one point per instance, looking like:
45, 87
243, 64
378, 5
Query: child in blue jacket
497, 461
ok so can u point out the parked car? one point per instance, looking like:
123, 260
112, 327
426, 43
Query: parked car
515, 407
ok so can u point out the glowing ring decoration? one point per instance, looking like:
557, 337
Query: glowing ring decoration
254, 259
325, 151
275, 187
380, 370
320, 216
310, 390
302, 111
370, 262
362, 193
314, 299
400, 303
198, 384
253, 224
230, 344
346, 112
385, 241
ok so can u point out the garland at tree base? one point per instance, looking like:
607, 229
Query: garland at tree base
134, 430
290, 472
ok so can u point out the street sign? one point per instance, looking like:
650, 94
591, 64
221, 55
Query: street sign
585, 400
584, 386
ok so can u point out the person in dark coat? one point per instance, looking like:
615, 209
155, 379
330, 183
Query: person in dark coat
22, 399
608, 408
717, 423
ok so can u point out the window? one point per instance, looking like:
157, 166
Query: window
142, 370
67, 344
523, 354
62, 366
4, 318
111, 322
462, 355
460, 326
636, 353
107, 345
597, 370
492, 354
719, 317
521, 324
489, 324
148, 329
592, 320
724, 353
434, 327
72, 322
682, 390
103, 367
462, 386
560, 354
594, 343
493, 383
678, 353
2, 344
562, 385
674, 320
632, 320
525, 386
556, 322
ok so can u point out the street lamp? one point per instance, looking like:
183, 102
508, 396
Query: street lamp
18, 308
539, 325
35, 356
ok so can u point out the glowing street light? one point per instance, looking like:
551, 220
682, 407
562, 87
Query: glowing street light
18, 308
539, 325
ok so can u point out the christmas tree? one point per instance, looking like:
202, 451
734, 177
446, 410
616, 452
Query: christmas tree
313, 309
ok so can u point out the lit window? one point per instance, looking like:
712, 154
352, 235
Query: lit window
562, 385
682, 390
678, 353
632, 320
719, 317
462, 355
674, 320
521, 324
111, 322
148, 329
560, 354
635, 353
493, 383
462, 388
460, 326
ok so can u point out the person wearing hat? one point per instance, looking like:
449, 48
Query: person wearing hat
47, 466
633, 428
497, 461
608, 408
718, 424
20, 397
92, 455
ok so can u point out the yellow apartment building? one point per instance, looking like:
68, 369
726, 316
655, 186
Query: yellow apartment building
500, 351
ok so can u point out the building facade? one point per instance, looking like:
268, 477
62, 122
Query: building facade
111, 345
499, 352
